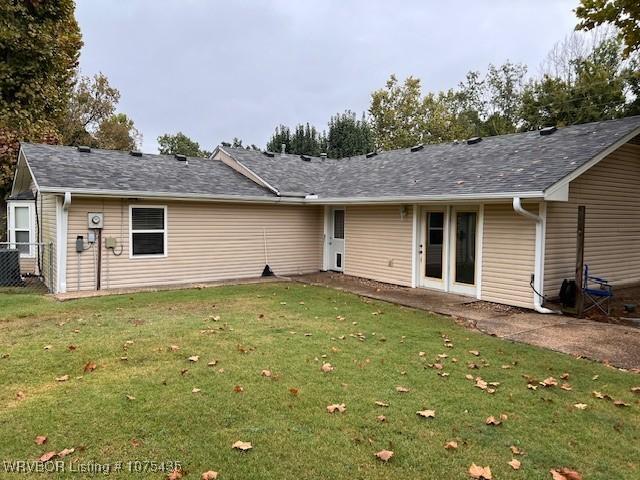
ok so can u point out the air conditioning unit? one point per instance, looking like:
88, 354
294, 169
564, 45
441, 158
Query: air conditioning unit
10, 268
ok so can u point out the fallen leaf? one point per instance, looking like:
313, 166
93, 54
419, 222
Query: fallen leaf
549, 382
635, 389
451, 445
89, 367
294, 391
565, 474
620, 403
175, 474
45, 457
48, 347
564, 376
327, 367
336, 407
174, 348
195, 390
244, 446
566, 386
193, 358
515, 464
480, 383
478, 472
381, 404
131, 398
238, 389
474, 352
65, 452
580, 406
426, 413
381, 418
210, 475
216, 318
384, 455
266, 373
63, 378
41, 440
20, 395
492, 421
71, 348
402, 389
515, 450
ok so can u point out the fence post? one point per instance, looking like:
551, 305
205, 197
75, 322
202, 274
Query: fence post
51, 267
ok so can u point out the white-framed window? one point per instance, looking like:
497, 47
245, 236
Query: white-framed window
22, 227
147, 231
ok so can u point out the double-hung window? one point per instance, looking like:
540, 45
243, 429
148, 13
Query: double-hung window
21, 228
148, 231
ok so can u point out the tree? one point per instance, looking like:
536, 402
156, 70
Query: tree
624, 14
349, 136
117, 133
237, 143
39, 46
281, 136
180, 144
398, 113
305, 140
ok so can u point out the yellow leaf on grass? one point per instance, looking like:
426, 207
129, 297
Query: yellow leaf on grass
384, 455
515, 464
327, 367
210, 475
240, 445
451, 445
426, 413
336, 407
479, 472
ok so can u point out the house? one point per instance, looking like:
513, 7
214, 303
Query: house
492, 218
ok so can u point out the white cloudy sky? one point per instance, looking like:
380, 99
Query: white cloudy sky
218, 69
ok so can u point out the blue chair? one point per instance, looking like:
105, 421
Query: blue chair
597, 291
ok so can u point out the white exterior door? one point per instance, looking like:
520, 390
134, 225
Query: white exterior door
463, 258
336, 240
433, 248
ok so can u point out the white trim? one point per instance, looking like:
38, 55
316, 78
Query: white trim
11, 224
332, 263
562, 183
131, 232
479, 247
415, 259
453, 286
431, 282
62, 232
260, 181
325, 238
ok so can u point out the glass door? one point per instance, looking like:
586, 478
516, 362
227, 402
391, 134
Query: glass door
434, 241
465, 248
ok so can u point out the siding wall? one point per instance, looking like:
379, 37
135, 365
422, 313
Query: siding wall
611, 193
47, 213
378, 243
206, 242
508, 257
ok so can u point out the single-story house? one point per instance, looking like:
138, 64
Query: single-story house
492, 218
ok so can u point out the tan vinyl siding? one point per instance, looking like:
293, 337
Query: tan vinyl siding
378, 243
508, 256
206, 242
48, 225
611, 193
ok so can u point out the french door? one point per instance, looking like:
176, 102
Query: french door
463, 257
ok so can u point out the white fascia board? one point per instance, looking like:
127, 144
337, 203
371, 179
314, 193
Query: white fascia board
247, 172
23, 158
564, 182
430, 198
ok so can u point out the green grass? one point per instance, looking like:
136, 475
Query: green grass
294, 436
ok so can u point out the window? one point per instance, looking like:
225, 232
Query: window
435, 237
148, 231
21, 228
338, 224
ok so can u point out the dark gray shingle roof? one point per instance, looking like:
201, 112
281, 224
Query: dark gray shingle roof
57, 167
516, 163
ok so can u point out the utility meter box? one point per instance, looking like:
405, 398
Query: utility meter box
95, 220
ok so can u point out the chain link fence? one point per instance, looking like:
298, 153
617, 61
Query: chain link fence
27, 267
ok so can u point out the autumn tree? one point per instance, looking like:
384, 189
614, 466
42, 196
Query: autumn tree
118, 132
623, 14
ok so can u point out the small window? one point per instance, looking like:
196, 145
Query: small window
148, 231
21, 229
338, 224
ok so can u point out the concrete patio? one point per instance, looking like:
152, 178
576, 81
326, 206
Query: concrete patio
617, 345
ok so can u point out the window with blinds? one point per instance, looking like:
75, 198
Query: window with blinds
148, 231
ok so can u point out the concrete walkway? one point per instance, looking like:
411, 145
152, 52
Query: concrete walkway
617, 345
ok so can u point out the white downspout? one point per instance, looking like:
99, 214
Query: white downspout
63, 227
539, 254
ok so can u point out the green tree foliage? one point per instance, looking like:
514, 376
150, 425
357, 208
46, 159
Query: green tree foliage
180, 144
237, 143
117, 133
349, 136
281, 136
624, 14
305, 140
39, 48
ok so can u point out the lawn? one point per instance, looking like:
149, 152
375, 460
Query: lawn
139, 403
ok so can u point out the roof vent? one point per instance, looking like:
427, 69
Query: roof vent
180, 157
371, 154
417, 148
268, 154
305, 158
474, 140
135, 153
84, 149
323, 156
548, 130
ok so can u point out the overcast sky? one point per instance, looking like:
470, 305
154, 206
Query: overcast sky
222, 69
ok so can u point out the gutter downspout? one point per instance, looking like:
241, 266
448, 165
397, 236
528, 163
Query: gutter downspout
539, 254
63, 227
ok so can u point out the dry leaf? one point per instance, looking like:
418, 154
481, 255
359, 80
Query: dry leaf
566, 386
63, 378
266, 373
41, 440
174, 348
294, 391
565, 474
210, 475
48, 347
564, 376
492, 421
478, 472
426, 413
20, 395
384, 455
327, 367
195, 390
635, 389
580, 406
212, 363
549, 382
381, 404
238, 389
474, 352
175, 474
193, 358
515, 450
65, 452
72, 347
336, 407
480, 383
131, 398
244, 446
89, 367
45, 457
620, 403
402, 389
381, 418
515, 464
451, 445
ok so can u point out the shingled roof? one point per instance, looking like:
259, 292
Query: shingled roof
521, 164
